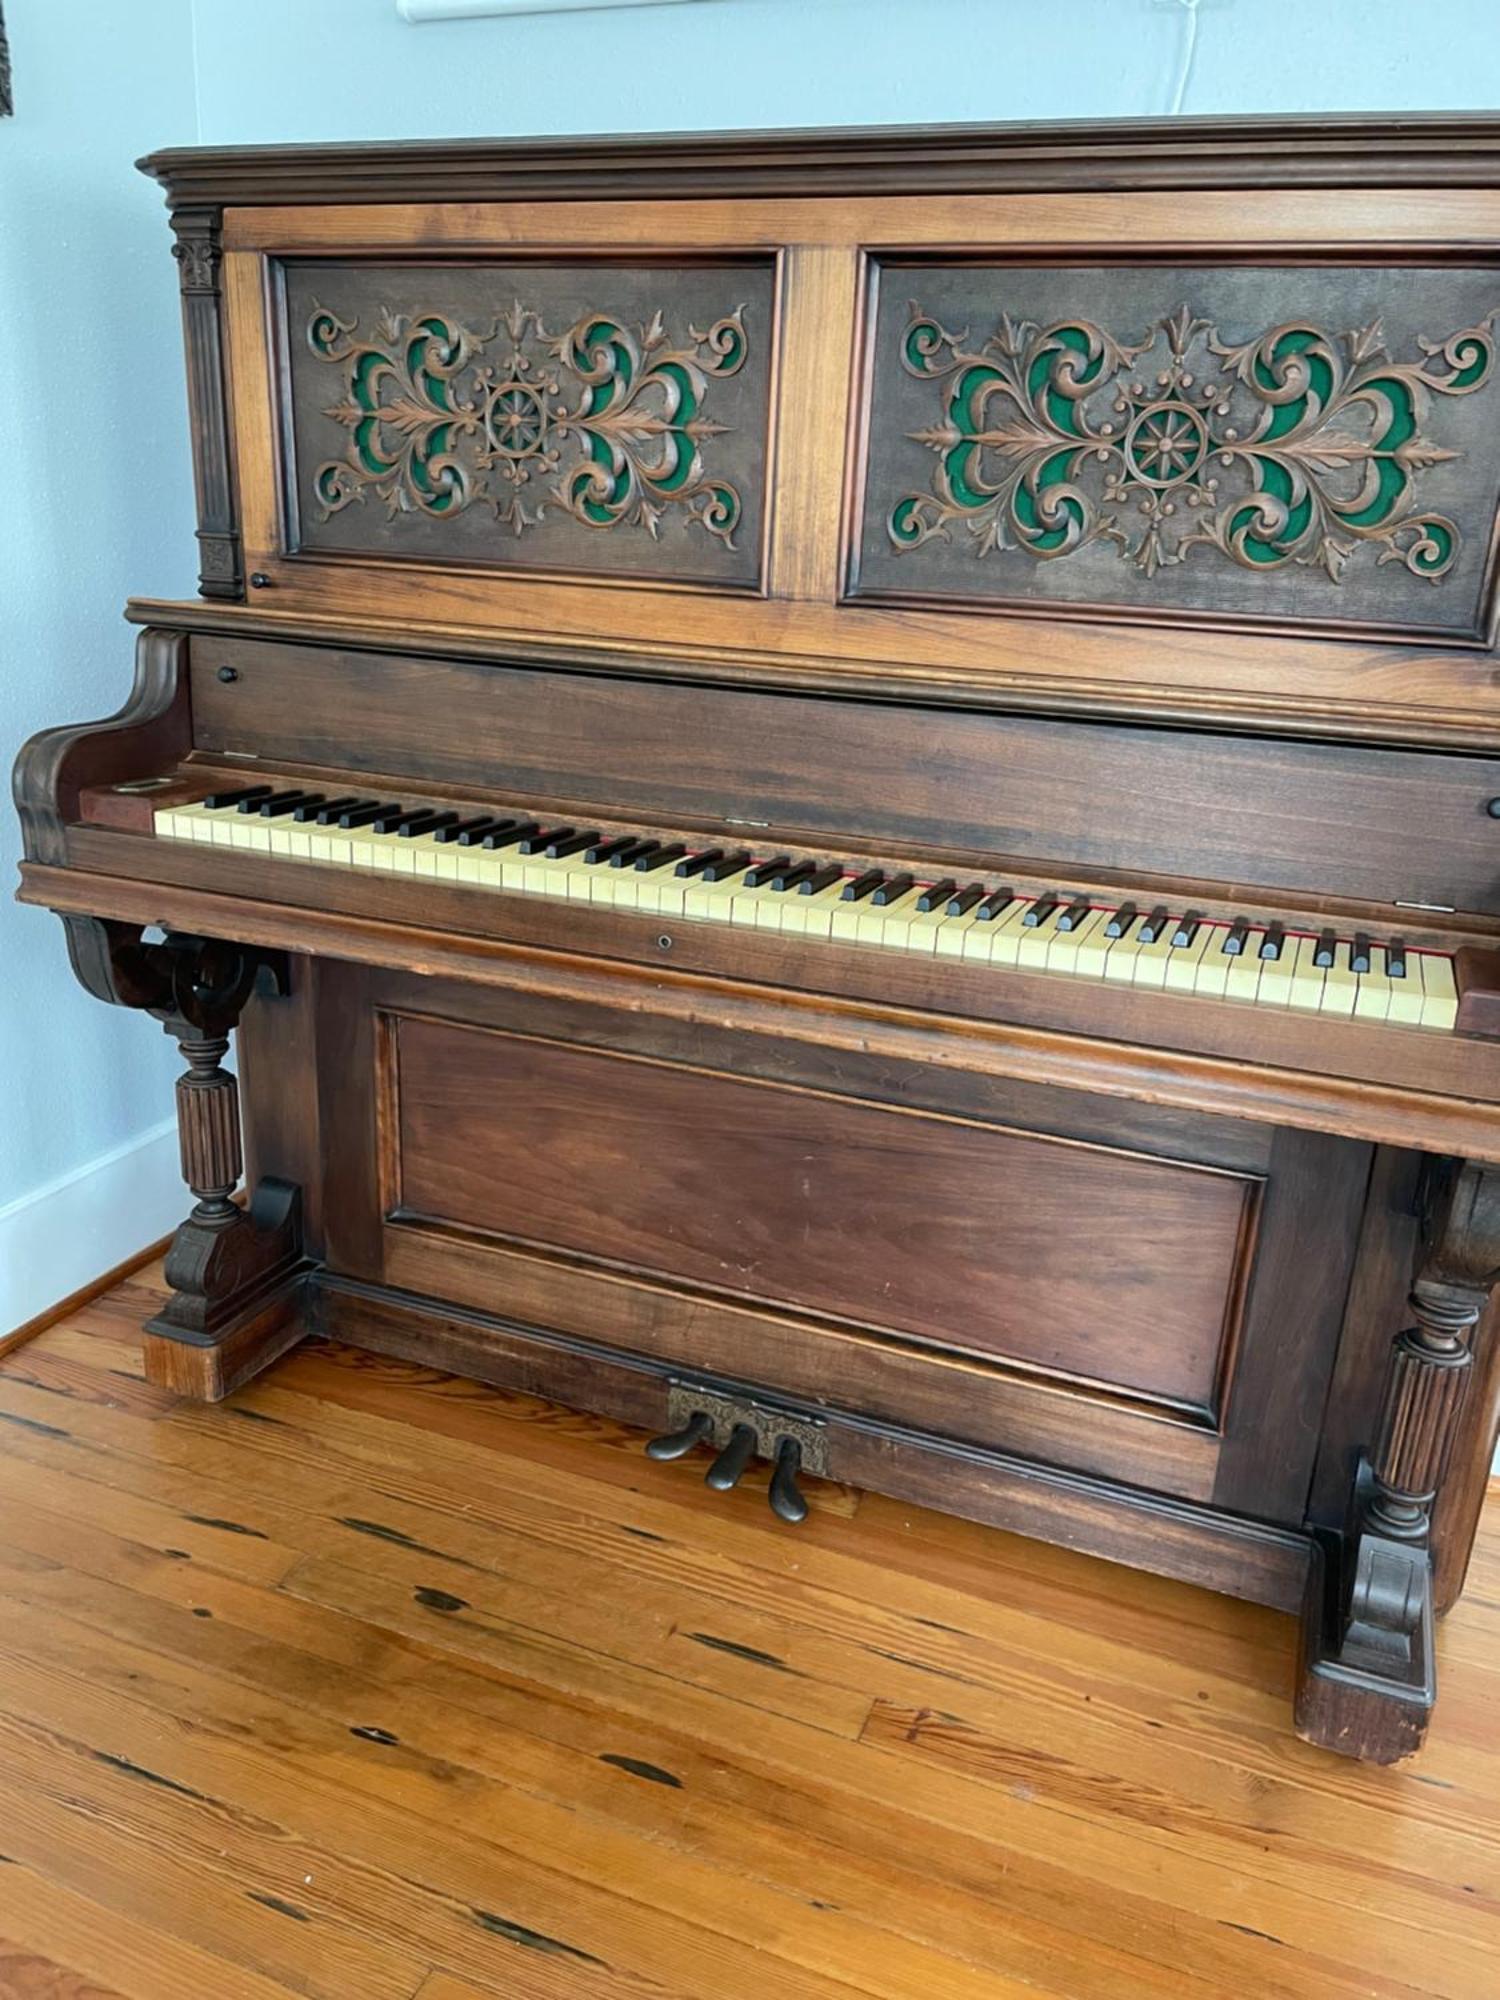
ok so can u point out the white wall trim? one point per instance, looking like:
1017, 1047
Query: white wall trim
56, 1239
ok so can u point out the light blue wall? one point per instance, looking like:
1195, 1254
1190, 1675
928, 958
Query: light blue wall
310, 69
95, 500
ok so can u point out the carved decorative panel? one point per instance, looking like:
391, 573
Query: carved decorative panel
1312, 445
591, 416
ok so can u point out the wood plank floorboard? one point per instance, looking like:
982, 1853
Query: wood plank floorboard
371, 1683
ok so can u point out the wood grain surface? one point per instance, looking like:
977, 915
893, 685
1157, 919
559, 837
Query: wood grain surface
372, 1682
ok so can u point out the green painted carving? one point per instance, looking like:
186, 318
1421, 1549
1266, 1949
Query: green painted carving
1296, 446
604, 420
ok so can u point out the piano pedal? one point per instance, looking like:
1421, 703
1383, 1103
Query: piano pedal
728, 1469
788, 1503
677, 1444
741, 1431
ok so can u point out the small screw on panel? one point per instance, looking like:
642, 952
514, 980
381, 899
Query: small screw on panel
1492, 807
259, 580
229, 674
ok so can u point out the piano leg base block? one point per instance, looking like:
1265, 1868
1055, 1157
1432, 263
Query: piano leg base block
239, 1300
1367, 1685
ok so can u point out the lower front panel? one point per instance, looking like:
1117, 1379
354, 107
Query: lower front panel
1142, 1296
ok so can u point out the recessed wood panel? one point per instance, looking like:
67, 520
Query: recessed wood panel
1304, 444
594, 415
1073, 1259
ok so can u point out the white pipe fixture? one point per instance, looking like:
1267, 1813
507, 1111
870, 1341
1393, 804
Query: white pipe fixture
418, 11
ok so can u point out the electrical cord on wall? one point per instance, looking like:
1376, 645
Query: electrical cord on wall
1185, 63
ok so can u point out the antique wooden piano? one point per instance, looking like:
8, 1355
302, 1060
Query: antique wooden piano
846, 790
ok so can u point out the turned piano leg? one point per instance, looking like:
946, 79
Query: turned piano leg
237, 1274
1368, 1679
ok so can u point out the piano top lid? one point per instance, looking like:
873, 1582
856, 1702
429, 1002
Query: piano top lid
1427, 150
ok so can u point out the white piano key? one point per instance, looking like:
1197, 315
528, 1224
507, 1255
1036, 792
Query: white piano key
1373, 1000
1182, 965
1439, 991
1306, 990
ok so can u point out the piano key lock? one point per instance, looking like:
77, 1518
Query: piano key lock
741, 1431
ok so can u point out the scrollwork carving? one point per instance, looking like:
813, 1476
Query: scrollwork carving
1297, 445
604, 420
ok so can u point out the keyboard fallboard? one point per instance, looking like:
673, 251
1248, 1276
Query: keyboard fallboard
1347, 821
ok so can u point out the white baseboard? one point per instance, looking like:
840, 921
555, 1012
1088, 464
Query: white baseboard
57, 1239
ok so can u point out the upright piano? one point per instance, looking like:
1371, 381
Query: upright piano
844, 790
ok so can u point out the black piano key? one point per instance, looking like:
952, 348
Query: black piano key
996, 901
821, 879
542, 839
366, 815
269, 799
637, 850
758, 876
1121, 921
860, 886
696, 863
893, 889
322, 809
788, 878
1273, 944
961, 904
240, 794
390, 817
1359, 953
1153, 925
1323, 954
562, 844
1074, 914
1234, 942
476, 834
607, 848
509, 833
1039, 912
728, 865
417, 819
281, 804
1187, 928
1395, 958
937, 892
465, 831
426, 824
662, 858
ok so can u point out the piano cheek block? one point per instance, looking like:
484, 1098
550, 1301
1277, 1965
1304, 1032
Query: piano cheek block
667, 984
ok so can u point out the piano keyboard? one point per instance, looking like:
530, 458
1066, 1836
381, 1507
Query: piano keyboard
1176, 950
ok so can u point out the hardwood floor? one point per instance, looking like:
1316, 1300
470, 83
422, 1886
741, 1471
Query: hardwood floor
371, 1683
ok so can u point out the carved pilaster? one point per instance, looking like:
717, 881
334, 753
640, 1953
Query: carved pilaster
1368, 1680
199, 254
1428, 1381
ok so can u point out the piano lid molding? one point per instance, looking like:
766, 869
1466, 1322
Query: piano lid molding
605, 420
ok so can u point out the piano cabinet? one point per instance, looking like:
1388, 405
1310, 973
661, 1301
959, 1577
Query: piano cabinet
1252, 1357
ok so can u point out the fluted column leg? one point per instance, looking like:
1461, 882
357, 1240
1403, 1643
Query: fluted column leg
1368, 1682
208, 1128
